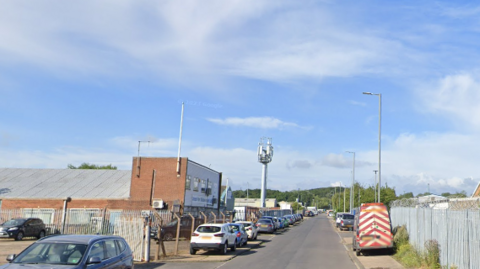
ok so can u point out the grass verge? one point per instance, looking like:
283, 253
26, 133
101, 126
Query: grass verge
410, 257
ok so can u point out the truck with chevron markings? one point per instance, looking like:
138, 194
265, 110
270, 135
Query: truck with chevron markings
372, 228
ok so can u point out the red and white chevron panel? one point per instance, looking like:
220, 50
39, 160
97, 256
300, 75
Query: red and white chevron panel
374, 229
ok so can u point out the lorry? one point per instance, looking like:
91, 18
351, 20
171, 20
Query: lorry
372, 228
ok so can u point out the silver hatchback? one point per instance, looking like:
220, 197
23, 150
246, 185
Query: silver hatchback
265, 226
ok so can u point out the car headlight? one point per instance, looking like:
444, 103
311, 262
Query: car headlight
13, 229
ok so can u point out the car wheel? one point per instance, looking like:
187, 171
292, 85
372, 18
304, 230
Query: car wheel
168, 237
42, 234
192, 251
234, 247
225, 248
357, 252
19, 236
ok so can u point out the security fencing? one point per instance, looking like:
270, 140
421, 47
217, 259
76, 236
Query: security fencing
130, 224
453, 223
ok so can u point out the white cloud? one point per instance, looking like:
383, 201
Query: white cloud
256, 122
173, 39
455, 97
336, 160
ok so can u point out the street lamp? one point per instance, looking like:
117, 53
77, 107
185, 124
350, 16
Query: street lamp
379, 140
353, 182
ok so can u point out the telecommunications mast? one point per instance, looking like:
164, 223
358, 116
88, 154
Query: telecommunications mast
265, 155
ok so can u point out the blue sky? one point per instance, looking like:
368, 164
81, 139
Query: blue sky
84, 81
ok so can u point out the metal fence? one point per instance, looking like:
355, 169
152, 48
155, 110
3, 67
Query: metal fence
130, 224
453, 223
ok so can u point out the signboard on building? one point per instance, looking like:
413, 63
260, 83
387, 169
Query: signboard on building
201, 186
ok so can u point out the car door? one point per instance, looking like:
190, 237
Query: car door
231, 235
29, 228
107, 254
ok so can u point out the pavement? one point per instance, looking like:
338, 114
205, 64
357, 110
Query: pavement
201, 256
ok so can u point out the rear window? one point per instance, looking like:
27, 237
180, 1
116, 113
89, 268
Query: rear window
264, 221
345, 216
246, 224
209, 229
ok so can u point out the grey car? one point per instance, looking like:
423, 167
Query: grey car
265, 226
74, 251
346, 221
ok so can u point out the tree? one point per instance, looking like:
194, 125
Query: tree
296, 206
92, 166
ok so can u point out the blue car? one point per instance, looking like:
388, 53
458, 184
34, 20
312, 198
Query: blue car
242, 236
74, 252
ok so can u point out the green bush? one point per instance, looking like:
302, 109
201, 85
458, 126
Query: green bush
410, 257
432, 254
401, 236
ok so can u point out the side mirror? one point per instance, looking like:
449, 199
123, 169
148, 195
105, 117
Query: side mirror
94, 259
11, 257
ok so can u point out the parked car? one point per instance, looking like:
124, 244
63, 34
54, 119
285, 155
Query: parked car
286, 223
290, 219
338, 219
346, 221
265, 226
251, 229
213, 236
281, 225
276, 225
23, 227
242, 236
74, 251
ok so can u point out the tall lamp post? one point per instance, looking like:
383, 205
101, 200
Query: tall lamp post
379, 140
353, 182
265, 155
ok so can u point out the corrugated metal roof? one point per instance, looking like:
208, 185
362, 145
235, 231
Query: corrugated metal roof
61, 183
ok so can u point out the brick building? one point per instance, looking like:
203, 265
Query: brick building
159, 183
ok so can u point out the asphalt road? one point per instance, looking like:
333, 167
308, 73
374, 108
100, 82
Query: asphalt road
311, 244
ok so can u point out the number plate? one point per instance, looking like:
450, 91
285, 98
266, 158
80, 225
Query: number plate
206, 237
367, 238
263, 226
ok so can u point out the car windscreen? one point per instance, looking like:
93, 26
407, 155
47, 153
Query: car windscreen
346, 216
14, 222
52, 253
247, 224
209, 229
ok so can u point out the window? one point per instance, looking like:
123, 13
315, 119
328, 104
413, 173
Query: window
44, 214
209, 188
195, 184
203, 185
121, 245
97, 251
187, 182
111, 248
82, 216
